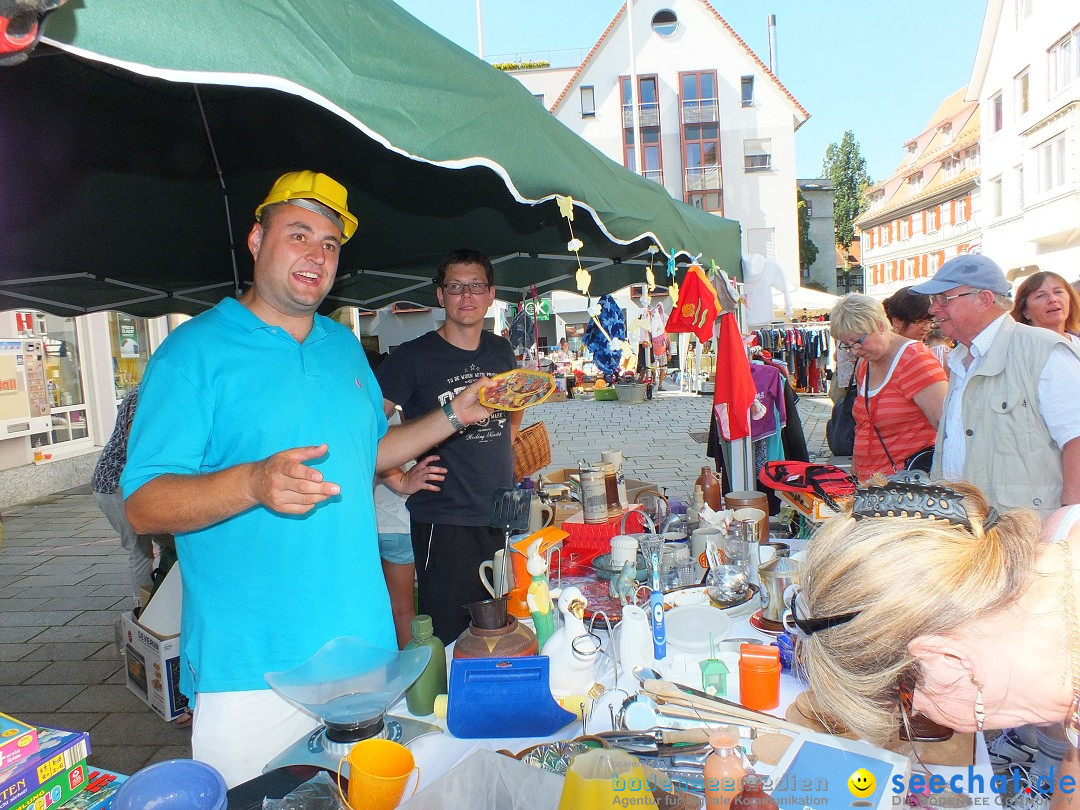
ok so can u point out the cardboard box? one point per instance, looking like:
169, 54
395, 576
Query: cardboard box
18, 741
60, 752
569, 476
153, 668
152, 649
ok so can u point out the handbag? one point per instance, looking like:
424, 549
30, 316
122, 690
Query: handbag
532, 450
919, 460
840, 429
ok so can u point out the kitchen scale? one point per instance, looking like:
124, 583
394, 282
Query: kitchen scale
349, 685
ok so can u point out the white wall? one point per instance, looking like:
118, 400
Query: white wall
763, 199
1038, 228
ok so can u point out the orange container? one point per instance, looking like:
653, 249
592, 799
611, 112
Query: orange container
759, 676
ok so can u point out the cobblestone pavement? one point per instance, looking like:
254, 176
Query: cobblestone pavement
63, 574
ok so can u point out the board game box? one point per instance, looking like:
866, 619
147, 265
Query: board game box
101, 787
18, 741
58, 751
60, 788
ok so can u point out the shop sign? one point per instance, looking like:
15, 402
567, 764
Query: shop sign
539, 308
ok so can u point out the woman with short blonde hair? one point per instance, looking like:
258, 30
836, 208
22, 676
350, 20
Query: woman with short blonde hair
901, 388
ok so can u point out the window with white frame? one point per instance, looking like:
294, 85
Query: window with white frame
588, 101
947, 131
747, 90
997, 113
64, 381
1050, 160
905, 228
1021, 90
912, 152
994, 189
933, 219
915, 182
761, 240
1023, 10
757, 154
1063, 60
909, 268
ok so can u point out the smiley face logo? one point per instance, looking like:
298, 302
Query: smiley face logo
861, 783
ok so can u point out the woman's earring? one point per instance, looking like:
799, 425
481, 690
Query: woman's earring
980, 709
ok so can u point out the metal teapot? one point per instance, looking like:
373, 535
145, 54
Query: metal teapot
776, 576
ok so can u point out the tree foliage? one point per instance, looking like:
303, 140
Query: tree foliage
808, 251
845, 166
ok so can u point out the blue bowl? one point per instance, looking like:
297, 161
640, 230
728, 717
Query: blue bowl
176, 784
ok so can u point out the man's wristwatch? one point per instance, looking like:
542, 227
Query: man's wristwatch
455, 423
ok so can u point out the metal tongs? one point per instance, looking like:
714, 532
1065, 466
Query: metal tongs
657, 742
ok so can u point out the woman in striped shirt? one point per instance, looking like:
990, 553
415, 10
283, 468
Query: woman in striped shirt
901, 387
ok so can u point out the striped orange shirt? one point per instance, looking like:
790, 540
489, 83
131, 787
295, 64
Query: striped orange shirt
903, 426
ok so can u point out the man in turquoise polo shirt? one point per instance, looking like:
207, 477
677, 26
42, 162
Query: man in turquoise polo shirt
259, 431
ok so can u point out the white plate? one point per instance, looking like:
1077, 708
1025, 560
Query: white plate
689, 628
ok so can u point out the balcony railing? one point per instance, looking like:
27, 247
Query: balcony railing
656, 175
700, 111
757, 163
648, 115
703, 178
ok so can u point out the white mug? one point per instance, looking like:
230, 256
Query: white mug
495, 582
624, 549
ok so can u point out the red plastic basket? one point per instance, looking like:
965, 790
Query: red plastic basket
592, 539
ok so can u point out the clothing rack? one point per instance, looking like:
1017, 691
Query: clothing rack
805, 347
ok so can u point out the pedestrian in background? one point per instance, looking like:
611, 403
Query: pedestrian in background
105, 482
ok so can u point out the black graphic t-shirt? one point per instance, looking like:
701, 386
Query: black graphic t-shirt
423, 374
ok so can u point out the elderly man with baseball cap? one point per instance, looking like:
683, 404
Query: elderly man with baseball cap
259, 430
1010, 423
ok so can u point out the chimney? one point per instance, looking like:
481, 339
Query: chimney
772, 43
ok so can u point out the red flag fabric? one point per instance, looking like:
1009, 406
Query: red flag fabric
734, 392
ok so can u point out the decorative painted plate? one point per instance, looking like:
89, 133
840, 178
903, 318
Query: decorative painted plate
518, 389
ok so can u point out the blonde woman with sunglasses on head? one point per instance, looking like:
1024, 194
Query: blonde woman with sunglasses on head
929, 585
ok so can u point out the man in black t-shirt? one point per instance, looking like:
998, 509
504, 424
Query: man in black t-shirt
451, 534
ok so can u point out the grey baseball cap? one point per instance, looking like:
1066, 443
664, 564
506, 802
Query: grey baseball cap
971, 270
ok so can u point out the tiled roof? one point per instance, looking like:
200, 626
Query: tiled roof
930, 190
723, 22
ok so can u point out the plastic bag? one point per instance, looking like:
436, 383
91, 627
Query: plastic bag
489, 781
320, 792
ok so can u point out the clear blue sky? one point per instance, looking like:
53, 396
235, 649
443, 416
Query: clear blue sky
879, 69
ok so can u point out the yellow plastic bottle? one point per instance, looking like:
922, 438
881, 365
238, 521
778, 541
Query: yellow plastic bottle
724, 769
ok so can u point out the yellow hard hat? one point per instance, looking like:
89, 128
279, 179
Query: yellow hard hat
319, 188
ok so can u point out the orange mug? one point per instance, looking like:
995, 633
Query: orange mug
379, 770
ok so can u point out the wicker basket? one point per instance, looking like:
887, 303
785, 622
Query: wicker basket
532, 450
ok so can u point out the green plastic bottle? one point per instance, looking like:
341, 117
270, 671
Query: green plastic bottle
420, 697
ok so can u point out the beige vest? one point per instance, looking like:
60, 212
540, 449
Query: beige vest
1010, 454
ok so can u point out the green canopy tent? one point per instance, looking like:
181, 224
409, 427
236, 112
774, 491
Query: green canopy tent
138, 138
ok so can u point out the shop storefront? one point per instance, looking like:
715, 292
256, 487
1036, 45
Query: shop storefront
72, 373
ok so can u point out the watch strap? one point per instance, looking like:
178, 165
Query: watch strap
455, 423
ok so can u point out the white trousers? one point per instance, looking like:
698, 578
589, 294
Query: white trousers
240, 732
